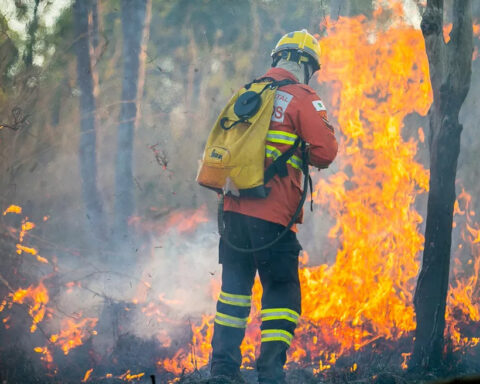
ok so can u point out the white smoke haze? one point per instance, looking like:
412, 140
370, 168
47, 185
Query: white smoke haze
172, 283
161, 286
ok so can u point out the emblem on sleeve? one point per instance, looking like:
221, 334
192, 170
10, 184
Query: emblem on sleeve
318, 105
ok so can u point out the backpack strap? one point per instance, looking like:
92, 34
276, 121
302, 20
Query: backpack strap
279, 165
251, 96
306, 180
305, 162
282, 83
272, 82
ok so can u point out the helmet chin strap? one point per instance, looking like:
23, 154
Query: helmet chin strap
306, 73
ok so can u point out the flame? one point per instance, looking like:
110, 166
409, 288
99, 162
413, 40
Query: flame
46, 354
252, 336
21, 248
378, 74
38, 297
87, 375
3, 304
405, 357
73, 333
476, 30
446, 32
378, 77
199, 353
128, 376
13, 209
26, 226
187, 221
182, 221
463, 305
5, 322
367, 293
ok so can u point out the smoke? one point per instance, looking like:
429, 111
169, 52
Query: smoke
168, 278
171, 283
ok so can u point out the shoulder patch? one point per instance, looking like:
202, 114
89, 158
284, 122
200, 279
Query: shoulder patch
318, 105
282, 99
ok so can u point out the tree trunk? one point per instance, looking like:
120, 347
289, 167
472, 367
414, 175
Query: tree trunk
133, 21
450, 72
93, 42
143, 58
87, 150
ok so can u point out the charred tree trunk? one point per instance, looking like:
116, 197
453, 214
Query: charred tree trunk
133, 21
87, 150
450, 72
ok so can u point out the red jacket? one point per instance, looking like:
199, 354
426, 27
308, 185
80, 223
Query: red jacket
297, 111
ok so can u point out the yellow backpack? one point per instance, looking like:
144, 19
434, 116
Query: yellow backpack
234, 157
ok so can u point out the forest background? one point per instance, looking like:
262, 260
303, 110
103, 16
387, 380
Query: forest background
197, 54
193, 55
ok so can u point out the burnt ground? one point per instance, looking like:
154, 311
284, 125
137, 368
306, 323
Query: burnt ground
377, 363
17, 365
299, 376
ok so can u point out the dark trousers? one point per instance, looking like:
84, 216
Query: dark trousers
281, 300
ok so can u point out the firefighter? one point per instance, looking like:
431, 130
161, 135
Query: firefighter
252, 222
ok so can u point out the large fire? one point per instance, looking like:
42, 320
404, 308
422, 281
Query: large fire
377, 75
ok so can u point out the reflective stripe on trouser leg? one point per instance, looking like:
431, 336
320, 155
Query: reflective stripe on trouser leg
230, 321
233, 309
276, 335
278, 324
229, 329
281, 305
235, 300
279, 314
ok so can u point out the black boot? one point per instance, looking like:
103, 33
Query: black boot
222, 379
273, 355
226, 355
